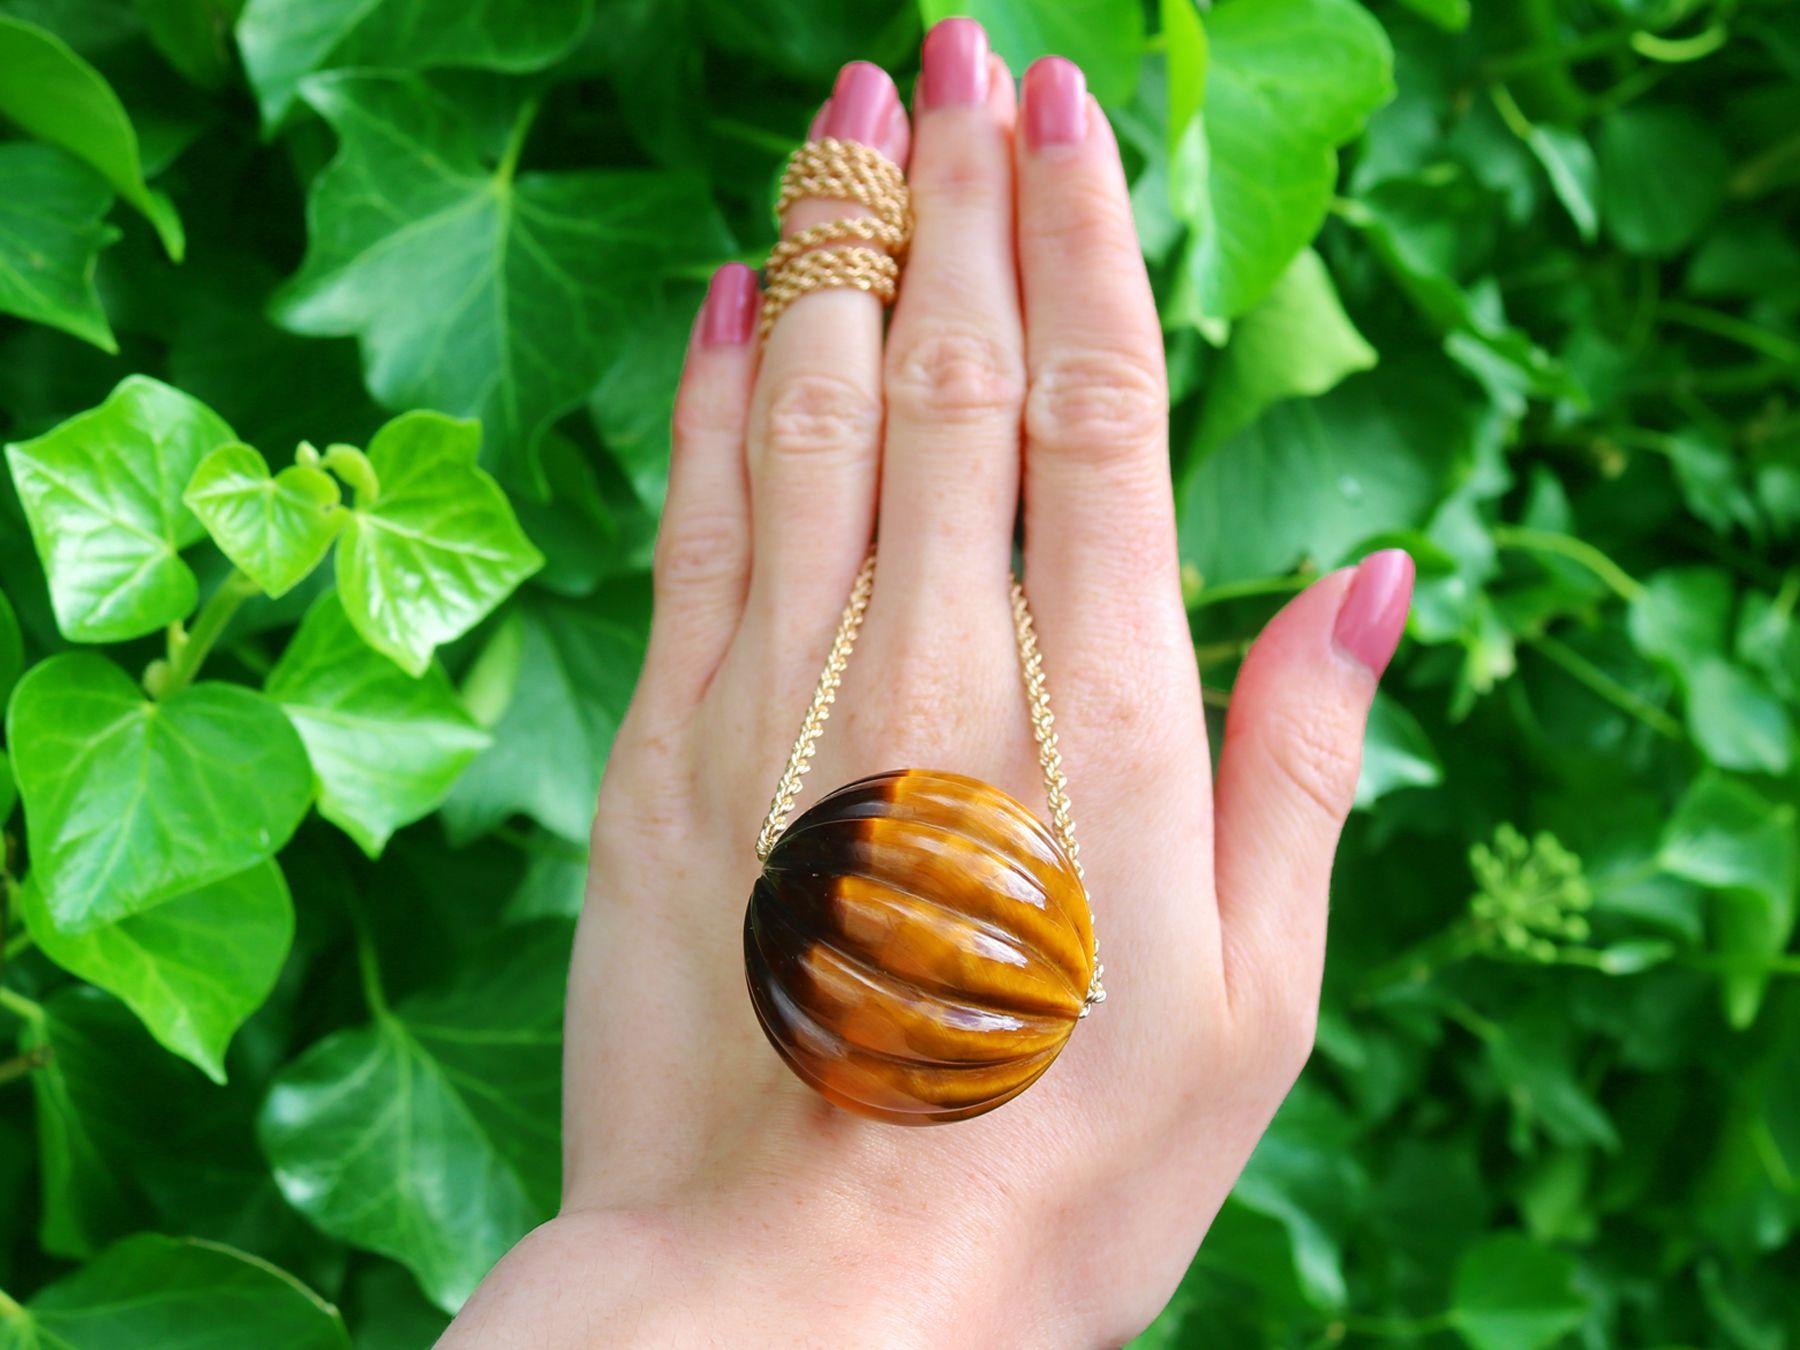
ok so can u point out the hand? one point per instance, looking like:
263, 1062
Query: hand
708, 1193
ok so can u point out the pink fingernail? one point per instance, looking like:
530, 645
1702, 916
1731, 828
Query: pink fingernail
953, 69
1055, 102
728, 317
860, 103
1370, 620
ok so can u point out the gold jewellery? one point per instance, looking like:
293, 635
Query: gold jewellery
919, 946
856, 251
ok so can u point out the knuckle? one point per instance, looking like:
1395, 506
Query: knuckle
1097, 403
955, 374
1316, 760
966, 174
1091, 222
699, 418
698, 551
811, 412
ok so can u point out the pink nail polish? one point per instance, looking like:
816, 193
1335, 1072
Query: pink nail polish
1370, 620
953, 69
729, 315
860, 103
1055, 103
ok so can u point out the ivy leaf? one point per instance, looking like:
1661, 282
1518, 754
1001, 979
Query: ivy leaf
1729, 838
1104, 37
1312, 479
1396, 753
58, 97
176, 1294
387, 748
428, 555
129, 803
1295, 343
275, 528
563, 676
431, 1134
282, 44
102, 493
51, 235
1574, 174
541, 276
1287, 82
1512, 1294
1663, 172
192, 969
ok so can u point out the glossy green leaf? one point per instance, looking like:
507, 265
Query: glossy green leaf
561, 676
175, 1294
1287, 82
1737, 720
1310, 480
1296, 343
538, 276
1513, 1294
1574, 174
58, 97
193, 968
276, 528
283, 44
387, 747
130, 803
102, 493
1396, 753
1104, 37
430, 1135
426, 557
51, 235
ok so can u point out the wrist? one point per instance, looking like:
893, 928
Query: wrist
790, 1271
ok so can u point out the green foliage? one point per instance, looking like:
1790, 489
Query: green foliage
1514, 286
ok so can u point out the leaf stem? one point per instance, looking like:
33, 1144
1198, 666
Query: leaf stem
1244, 590
26, 1010
17, 943
367, 963
1733, 329
188, 648
1617, 579
515, 142
18, 1067
1627, 701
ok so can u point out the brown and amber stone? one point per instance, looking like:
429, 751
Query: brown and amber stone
918, 947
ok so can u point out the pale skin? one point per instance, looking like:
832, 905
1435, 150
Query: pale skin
709, 1196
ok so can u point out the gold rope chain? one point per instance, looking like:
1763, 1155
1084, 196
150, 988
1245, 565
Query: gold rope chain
1037, 701
856, 251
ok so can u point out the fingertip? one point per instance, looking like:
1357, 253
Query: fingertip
728, 314
1373, 614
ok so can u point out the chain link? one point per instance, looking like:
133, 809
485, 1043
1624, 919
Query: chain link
1037, 702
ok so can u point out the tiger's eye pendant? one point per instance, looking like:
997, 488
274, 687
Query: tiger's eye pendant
918, 947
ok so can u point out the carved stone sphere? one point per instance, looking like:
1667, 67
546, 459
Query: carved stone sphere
918, 947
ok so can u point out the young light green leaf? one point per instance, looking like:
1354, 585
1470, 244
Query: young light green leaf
1295, 343
56, 96
282, 45
387, 747
102, 494
1287, 82
430, 1135
1104, 37
175, 1294
540, 277
275, 528
129, 803
1663, 172
1512, 1294
436, 549
193, 968
563, 675
51, 235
